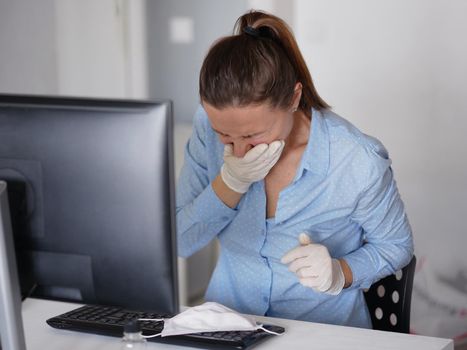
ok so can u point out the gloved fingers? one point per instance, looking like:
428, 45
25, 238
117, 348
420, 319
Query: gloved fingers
295, 253
228, 150
317, 252
274, 158
255, 153
304, 239
314, 251
250, 157
232, 181
306, 272
254, 172
261, 166
274, 150
261, 153
310, 282
265, 164
262, 159
276, 147
317, 283
306, 282
301, 263
311, 266
266, 152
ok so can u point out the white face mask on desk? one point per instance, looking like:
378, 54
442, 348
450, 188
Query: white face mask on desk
207, 317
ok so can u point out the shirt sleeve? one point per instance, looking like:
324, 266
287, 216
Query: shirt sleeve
200, 214
388, 242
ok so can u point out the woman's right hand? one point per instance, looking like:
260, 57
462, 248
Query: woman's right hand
239, 173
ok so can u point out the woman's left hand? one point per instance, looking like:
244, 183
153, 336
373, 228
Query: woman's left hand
314, 267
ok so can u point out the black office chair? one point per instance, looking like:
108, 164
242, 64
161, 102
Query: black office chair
389, 300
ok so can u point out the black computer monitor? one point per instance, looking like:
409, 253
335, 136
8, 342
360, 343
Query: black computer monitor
11, 324
92, 199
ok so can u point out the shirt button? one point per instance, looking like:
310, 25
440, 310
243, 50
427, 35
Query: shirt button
265, 299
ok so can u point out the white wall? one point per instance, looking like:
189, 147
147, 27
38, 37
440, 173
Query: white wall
27, 47
397, 69
101, 48
90, 44
70, 47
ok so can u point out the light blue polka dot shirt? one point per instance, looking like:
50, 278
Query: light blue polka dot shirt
343, 195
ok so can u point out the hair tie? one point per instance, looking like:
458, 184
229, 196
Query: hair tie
251, 31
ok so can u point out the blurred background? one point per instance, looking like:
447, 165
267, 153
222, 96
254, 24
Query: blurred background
396, 69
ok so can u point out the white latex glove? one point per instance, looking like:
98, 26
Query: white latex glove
314, 266
239, 173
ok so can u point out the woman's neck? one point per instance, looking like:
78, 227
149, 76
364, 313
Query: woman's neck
300, 132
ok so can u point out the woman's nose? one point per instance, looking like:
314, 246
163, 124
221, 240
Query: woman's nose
241, 148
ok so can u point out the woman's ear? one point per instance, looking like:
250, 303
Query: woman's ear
297, 95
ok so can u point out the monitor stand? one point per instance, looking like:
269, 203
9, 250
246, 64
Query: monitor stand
11, 324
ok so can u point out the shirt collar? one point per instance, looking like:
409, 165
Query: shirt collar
316, 156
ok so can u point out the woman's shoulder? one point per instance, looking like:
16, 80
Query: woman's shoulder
344, 134
361, 153
204, 135
202, 127
200, 117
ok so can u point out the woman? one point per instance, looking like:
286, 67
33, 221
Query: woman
304, 205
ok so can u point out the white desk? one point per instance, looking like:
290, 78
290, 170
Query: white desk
299, 335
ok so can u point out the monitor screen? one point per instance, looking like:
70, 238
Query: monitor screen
92, 199
11, 325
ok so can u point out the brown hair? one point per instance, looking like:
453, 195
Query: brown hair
261, 62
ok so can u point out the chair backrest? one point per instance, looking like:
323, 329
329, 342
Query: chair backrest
389, 299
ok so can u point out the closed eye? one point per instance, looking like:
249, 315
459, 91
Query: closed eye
252, 135
220, 133
243, 137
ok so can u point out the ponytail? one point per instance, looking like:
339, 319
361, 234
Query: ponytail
260, 63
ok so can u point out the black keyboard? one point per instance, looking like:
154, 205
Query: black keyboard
110, 321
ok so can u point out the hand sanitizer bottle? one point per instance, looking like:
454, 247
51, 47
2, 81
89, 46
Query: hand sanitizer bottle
132, 337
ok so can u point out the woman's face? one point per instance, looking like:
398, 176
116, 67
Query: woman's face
246, 127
